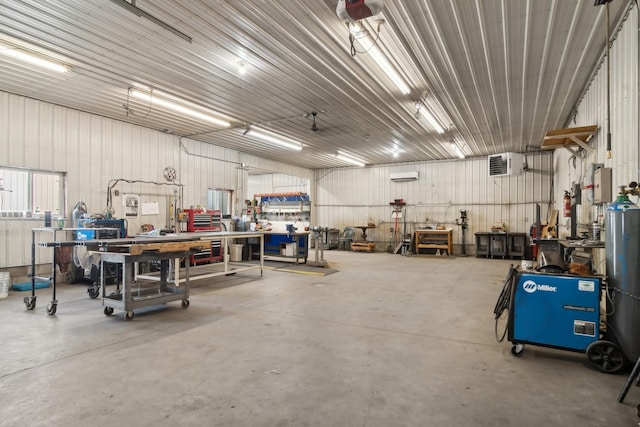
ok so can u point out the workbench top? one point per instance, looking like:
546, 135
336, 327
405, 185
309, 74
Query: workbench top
137, 240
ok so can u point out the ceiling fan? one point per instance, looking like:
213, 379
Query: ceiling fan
314, 126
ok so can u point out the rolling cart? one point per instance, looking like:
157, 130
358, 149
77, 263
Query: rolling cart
133, 293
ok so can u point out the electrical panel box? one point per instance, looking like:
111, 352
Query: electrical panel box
601, 186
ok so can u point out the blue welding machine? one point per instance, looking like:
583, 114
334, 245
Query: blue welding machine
555, 310
120, 224
559, 311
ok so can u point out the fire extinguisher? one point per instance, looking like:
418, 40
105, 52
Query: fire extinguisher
566, 205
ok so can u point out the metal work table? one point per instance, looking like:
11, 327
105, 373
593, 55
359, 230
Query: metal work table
133, 293
139, 245
568, 246
274, 241
584, 244
229, 267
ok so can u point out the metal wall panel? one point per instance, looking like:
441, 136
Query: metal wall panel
276, 183
592, 110
355, 196
94, 150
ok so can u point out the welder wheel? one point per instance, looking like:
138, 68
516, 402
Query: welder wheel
605, 356
517, 349
129, 315
108, 311
185, 303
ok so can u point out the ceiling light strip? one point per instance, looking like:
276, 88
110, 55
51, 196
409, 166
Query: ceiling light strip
374, 51
153, 99
131, 7
34, 59
432, 120
273, 138
457, 150
350, 159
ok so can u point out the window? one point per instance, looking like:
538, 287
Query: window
25, 193
221, 200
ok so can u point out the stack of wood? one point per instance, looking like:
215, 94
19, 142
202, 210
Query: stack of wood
363, 247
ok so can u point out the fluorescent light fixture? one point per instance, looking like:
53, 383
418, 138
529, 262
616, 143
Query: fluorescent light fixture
350, 159
457, 150
395, 150
273, 138
242, 67
153, 98
367, 43
34, 59
432, 120
355, 27
130, 5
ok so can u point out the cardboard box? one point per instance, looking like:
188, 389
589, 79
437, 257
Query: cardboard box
290, 249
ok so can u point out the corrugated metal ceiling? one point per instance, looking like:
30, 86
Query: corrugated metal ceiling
496, 73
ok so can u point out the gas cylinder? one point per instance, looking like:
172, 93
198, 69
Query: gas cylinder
566, 205
595, 231
622, 248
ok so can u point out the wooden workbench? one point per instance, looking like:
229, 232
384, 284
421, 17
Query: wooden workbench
433, 239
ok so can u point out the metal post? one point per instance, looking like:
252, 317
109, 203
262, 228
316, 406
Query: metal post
627, 385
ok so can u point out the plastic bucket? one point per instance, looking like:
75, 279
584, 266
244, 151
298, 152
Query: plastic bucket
5, 283
236, 253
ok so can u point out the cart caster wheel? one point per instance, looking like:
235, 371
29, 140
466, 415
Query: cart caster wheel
51, 309
185, 303
30, 303
517, 349
93, 292
108, 311
129, 315
605, 356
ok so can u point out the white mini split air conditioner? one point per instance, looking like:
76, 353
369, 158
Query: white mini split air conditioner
506, 164
404, 176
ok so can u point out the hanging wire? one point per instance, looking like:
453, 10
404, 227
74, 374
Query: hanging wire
352, 38
504, 304
128, 109
608, 85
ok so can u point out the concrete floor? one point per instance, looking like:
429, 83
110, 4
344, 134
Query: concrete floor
386, 341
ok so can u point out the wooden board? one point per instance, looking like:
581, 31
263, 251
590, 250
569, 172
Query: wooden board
363, 247
568, 137
139, 248
550, 230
